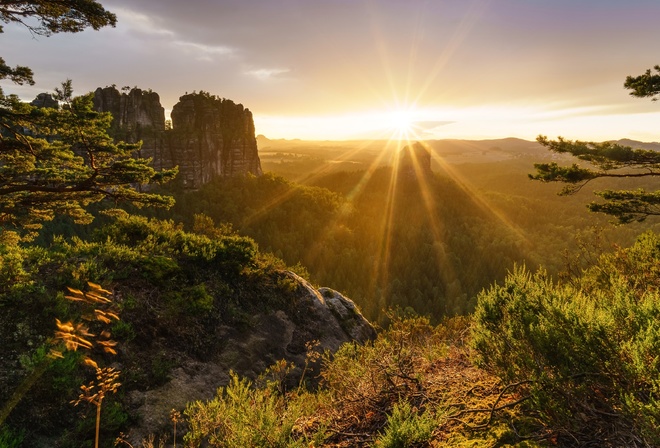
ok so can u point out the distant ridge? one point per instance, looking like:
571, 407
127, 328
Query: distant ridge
654, 146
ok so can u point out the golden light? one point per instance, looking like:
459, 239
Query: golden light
401, 121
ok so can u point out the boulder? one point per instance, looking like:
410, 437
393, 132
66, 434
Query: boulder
321, 317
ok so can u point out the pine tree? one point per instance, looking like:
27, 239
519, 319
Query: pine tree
58, 161
610, 160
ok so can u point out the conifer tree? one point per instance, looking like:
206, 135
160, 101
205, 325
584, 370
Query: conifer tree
58, 161
610, 160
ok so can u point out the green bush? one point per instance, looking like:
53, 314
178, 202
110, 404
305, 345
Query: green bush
242, 416
588, 352
406, 427
10, 438
123, 331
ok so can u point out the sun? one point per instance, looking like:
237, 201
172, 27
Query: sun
401, 121
401, 124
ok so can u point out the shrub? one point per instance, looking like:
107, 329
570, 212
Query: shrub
242, 416
590, 354
9, 438
406, 427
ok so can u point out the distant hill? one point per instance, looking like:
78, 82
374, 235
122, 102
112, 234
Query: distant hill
654, 146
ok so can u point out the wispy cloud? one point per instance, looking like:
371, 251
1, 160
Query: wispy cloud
204, 52
141, 23
267, 73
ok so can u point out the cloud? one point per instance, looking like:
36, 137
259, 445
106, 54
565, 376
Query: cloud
428, 127
203, 52
140, 23
265, 74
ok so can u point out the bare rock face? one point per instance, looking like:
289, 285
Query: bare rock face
45, 100
209, 136
322, 315
414, 161
212, 137
137, 114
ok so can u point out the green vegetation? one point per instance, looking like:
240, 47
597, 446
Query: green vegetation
610, 160
559, 361
58, 161
425, 257
174, 290
586, 351
561, 364
414, 386
387, 243
544, 360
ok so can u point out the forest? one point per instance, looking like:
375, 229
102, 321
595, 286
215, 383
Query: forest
139, 313
511, 287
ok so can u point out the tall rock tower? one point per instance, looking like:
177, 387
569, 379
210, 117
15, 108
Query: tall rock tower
414, 161
137, 115
209, 137
212, 136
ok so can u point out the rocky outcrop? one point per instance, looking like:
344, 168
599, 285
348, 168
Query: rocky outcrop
137, 115
322, 315
211, 137
414, 161
208, 136
45, 100
134, 112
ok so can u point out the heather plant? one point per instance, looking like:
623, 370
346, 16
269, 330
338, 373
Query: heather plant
243, 416
406, 427
586, 350
413, 386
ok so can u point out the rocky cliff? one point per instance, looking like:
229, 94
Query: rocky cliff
137, 115
208, 136
212, 136
45, 100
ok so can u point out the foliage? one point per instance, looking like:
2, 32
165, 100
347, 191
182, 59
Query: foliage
9, 439
412, 387
58, 161
57, 16
406, 428
241, 416
51, 17
95, 392
610, 160
588, 350
645, 85
431, 264
174, 289
74, 335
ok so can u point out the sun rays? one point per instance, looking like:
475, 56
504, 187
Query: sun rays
402, 121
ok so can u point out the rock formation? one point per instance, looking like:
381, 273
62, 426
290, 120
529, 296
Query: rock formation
45, 100
137, 115
209, 136
322, 315
414, 161
212, 137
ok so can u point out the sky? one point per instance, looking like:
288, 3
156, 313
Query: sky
362, 69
